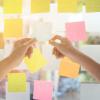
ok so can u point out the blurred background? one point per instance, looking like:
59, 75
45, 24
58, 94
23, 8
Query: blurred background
57, 21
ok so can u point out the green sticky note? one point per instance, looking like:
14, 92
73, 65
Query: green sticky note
92, 5
16, 82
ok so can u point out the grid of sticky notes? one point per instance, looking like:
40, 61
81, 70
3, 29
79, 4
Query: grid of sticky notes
16, 82
36, 62
76, 31
42, 90
92, 5
13, 6
40, 6
1, 41
13, 28
69, 68
68, 6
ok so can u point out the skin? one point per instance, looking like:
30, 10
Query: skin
22, 48
65, 48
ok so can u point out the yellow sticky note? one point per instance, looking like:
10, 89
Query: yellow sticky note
68, 6
13, 28
68, 68
40, 6
12, 6
36, 62
1, 41
16, 82
92, 5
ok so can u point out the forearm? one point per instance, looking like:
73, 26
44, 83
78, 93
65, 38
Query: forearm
7, 65
89, 64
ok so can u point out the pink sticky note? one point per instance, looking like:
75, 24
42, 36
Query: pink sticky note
42, 90
76, 31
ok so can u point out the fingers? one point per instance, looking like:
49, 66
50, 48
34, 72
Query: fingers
54, 42
57, 53
23, 41
29, 52
57, 37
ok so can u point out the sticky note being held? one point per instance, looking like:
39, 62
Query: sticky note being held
68, 6
76, 31
69, 68
92, 5
13, 28
1, 41
16, 82
42, 90
40, 6
36, 62
12, 6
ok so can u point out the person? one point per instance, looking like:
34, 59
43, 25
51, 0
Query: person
65, 48
22, 48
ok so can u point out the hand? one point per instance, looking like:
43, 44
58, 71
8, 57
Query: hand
18, 43
61, 49
22, 48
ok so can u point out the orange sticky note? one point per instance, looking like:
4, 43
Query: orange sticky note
36, 62
1, 41
16, 82
68, 6
12, 6
13, 28
40, 6
69, 68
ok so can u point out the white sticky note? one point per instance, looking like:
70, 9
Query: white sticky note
41, 30
19, 95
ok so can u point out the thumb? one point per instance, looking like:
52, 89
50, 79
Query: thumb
53, 43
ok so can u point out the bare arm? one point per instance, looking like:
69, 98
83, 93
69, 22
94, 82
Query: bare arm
22, 48
65, 48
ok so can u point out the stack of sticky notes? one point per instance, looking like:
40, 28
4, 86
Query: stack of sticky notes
69, 68
36, 62
13, 6
68, 6
16, 82
40, 6
76, 31
1, 41
92, 5
13, 28
42, 90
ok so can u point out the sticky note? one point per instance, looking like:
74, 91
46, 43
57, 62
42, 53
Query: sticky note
36, 62
92, 5
68, 6
69, 68
13, 28
42, 90
16, 82
1, 41
13, 6
40, 6
76, 31
42, 31
19, 95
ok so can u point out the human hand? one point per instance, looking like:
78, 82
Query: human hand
61, 49
22, 48
20, 42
